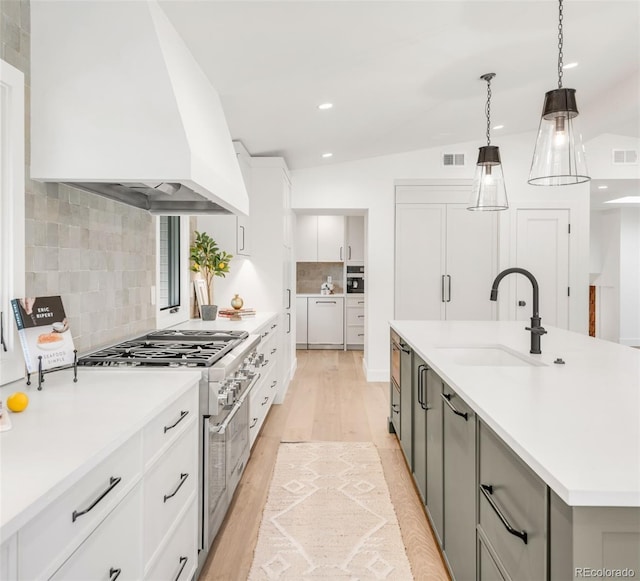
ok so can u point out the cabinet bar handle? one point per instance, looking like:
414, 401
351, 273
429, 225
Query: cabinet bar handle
113, 482
449, 289
273, 350
395, 407
183, 415
341, 253
360, 316
242, 228
447, 399
114, 573
275, 381
360, 334
183, 479
349, 252
253, 423
266, 399
403, 348
487, 491
288, 323
183, 563
4, 345
442, 289
361, 302
326, 302
288, 298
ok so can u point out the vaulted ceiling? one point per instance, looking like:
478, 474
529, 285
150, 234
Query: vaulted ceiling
404, 75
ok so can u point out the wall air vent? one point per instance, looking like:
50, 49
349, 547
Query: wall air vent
625, 157
452, 159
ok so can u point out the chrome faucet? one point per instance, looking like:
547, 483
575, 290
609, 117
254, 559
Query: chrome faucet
536, 328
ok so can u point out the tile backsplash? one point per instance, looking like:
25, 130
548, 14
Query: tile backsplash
310, 275
97, 254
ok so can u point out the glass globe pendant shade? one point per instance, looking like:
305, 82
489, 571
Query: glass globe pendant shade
559, 158
489, 191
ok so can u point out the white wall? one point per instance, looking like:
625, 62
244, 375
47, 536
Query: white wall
369, 185
607, 281
600, 157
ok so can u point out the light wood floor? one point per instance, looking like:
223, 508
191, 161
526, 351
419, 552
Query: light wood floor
328, 400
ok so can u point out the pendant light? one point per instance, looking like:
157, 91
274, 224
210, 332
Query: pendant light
489, 192
558, 158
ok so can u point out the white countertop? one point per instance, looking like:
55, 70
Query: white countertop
576, 425
249, 324
69, 428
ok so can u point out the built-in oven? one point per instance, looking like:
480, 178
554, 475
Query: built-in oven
355, 279
226, 453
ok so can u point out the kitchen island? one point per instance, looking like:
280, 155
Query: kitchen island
571, 419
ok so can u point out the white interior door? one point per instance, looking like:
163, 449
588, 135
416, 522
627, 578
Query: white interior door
472, 262
542, 248
420, 261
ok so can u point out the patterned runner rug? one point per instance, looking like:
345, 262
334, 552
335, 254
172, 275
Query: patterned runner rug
329, 516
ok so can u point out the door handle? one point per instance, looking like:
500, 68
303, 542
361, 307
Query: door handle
442, 289
449, 290
242, 246
447, 399
341, 253
288, 323
487, 491
288, 298
349, 252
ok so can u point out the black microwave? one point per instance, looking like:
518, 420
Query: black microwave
355, 279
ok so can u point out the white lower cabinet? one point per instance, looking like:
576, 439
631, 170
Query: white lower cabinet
355, 321
112, 551
325, 321
120, 520
301, 322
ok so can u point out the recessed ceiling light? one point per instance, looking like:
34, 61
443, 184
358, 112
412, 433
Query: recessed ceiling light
327, 155
570, 66
325, 106
603, 187
499, 127
625, 200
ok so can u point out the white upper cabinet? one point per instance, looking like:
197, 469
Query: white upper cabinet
355, 239
331, 239
320, 239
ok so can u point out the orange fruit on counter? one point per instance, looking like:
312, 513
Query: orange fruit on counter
18, 401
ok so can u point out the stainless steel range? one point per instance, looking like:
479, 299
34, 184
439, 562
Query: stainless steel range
229, 363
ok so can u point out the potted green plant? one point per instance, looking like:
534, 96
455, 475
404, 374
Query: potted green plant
208, 260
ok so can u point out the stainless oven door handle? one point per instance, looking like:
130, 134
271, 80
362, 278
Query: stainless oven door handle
223, 426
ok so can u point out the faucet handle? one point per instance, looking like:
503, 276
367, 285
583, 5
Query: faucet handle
537, 330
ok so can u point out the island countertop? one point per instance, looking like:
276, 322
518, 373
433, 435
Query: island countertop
576, 425
69, 428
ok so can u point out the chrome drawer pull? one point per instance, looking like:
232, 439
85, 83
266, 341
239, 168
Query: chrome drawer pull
183, 479
114, 574
275, 381
253, 423
266, 399
183, 563
396, 408
113, 482
274, 326
447, 399
183, 415
487, 490
273, 350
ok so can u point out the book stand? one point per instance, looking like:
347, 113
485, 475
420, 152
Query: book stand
41, 371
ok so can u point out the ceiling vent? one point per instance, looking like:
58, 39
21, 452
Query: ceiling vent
625, 157
452, 159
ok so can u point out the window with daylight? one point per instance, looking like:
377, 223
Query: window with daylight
169, 262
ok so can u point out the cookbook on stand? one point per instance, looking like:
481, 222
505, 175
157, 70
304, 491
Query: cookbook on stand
44, 332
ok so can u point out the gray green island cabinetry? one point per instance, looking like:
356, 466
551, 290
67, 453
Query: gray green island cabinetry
528, 465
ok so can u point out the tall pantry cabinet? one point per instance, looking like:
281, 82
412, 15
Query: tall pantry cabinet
446, 256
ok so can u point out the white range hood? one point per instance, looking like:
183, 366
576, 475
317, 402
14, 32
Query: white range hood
119, 107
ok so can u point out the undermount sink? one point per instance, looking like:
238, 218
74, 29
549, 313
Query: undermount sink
488, 356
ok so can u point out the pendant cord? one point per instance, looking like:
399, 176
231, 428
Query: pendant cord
488, 111
560, 45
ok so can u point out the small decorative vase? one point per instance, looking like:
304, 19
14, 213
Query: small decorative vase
209, 312
237, 302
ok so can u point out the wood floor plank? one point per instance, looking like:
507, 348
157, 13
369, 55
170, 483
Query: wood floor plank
328, 399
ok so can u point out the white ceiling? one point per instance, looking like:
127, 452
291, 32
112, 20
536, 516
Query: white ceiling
404, 75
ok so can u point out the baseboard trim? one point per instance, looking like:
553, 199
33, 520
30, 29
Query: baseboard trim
374, 374
630, 342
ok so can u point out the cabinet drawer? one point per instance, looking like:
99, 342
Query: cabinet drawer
355, 301
50, 537
168, 425
113, 549
267, 337
355, 316
520, 497
355, 335
167, 486
395, 407
487, 567
178, 558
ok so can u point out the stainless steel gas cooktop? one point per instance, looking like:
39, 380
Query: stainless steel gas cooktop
169, 347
